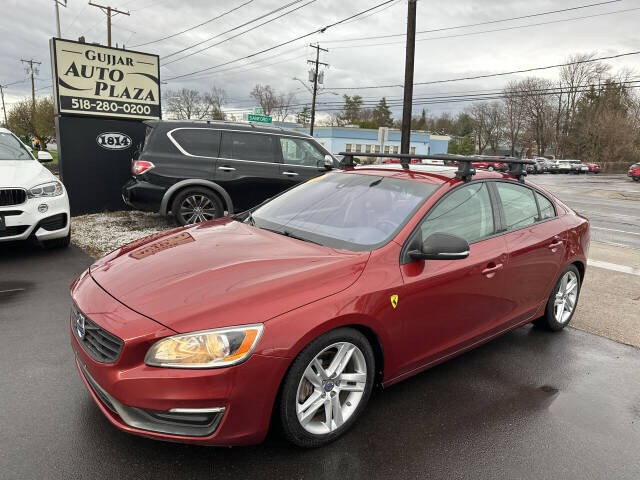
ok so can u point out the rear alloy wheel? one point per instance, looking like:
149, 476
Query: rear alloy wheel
327, 388
562, 302
194, 205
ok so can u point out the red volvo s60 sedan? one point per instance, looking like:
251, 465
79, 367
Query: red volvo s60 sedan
362, 276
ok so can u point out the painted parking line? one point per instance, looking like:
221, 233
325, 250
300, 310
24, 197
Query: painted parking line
12, 290
614, 266
614, 230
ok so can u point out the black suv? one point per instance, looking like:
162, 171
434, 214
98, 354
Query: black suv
199, 170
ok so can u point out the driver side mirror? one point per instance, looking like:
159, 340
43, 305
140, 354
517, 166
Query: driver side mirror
44, 156
328, 162
442, 246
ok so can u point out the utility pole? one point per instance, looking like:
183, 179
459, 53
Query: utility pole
317, 62
57, 3
3, 107
31, 70
109, 12
408, 78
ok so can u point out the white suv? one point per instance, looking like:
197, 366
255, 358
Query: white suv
33, 202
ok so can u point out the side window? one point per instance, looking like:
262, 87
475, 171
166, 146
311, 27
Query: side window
249, 146
465, 212
297, 151
546, 207
519, 205
203, 142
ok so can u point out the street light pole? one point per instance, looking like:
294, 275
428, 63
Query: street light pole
408, 78
57, 3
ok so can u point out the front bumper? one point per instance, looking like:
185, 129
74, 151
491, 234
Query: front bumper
24, 220
224, 406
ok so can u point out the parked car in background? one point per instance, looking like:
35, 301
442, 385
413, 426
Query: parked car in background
200, 170
396, 160
578, 167
564, 166
593, 167
33, 202
491, 165
634, 172
295, 310
541, 165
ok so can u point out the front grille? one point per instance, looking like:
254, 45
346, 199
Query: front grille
55, 222
12, 196
102, 346
11, 231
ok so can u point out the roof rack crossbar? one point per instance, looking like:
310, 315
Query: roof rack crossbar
465, 163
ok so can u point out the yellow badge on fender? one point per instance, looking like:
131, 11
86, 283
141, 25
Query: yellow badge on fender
394, 301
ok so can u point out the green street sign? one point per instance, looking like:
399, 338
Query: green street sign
258, 110
259, 118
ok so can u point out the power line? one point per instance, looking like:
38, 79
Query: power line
233, 29
109, 12
319, 30
489, 75
478, 24
241, 33
195, 26
504, 29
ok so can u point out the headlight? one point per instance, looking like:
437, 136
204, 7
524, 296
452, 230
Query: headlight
51, 189
207, 349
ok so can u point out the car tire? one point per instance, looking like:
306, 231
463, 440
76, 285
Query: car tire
62, 242
196, 204
329, 393
557, 315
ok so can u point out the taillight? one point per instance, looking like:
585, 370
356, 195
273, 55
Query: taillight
138, 167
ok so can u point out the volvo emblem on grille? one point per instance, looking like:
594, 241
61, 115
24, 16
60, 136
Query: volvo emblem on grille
80, 325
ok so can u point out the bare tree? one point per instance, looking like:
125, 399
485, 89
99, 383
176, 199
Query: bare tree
538, 111
266, 96
512, 111
187, 104
215, 99
283, 108
487, 124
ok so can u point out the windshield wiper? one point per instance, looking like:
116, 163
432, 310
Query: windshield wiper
287, 233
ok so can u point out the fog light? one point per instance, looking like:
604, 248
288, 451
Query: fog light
43, 207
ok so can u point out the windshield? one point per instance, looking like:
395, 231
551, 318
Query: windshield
343, 210
11, 148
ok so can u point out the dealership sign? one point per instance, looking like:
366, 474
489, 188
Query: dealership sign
105, 82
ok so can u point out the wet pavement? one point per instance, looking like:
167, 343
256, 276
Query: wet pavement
530, 404
610, 202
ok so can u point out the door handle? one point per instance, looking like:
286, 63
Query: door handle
290, 174
227, 169
490, 271
555, 244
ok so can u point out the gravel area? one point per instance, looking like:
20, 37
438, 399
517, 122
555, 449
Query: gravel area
100, 233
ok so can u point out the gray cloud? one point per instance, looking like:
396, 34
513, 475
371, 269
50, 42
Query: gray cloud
25, 30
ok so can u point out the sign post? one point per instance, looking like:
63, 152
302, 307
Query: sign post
101, 97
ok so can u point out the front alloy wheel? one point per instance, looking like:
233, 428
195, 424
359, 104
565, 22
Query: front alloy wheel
327, 387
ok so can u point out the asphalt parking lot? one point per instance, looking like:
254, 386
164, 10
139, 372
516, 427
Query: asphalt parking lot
610, 202
530, 404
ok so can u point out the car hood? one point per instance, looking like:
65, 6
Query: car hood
23, 173
222, 273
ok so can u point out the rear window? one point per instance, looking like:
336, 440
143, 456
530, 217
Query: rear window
519, 205
202, 142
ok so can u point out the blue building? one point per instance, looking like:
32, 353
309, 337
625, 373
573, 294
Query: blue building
365, 140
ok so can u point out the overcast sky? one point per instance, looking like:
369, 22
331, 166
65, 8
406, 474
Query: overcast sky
25, 32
